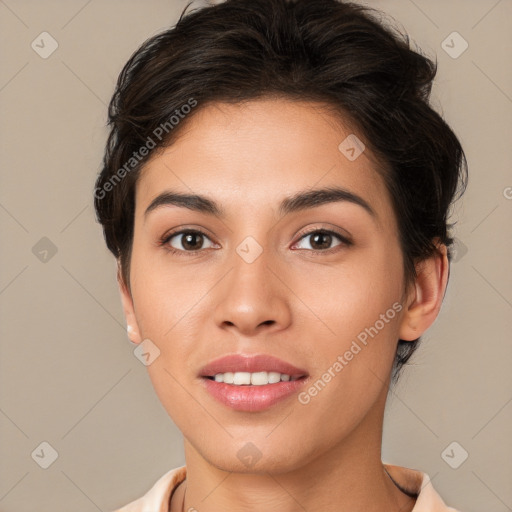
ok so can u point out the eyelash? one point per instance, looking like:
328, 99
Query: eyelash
164, 241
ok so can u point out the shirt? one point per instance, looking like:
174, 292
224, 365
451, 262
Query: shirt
158, 497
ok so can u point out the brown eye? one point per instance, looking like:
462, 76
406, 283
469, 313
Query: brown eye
187, 240
322, 240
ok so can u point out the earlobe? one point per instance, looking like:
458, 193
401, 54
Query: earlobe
429, 291
132, 327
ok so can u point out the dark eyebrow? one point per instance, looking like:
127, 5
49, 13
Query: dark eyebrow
191, 201
317, 197
297, 202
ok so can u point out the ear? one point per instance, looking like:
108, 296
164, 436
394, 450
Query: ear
426, 298
132, 327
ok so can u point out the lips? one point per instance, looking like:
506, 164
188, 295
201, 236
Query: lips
252, 364
251, 397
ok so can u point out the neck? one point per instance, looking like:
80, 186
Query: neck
345, 477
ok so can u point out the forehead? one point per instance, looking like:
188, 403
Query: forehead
253, 154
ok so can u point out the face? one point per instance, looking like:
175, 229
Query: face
317, 286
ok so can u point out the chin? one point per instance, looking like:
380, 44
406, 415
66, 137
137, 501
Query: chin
246, 457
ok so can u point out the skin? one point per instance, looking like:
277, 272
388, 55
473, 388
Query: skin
295, 301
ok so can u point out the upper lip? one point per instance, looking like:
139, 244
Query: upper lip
250, 363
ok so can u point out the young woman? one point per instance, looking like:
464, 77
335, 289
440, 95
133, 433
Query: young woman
275, 190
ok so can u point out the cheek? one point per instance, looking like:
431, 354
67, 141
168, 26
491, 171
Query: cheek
343, 301
165, 295
357, 318
170, 313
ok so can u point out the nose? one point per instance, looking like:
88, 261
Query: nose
252, 299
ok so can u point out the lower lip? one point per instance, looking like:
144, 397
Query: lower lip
252, 398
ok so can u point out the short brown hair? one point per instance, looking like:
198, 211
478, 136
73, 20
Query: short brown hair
334, 52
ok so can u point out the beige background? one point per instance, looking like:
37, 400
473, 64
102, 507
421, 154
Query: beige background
68, 374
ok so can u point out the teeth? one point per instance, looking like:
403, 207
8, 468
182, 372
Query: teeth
256, 379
